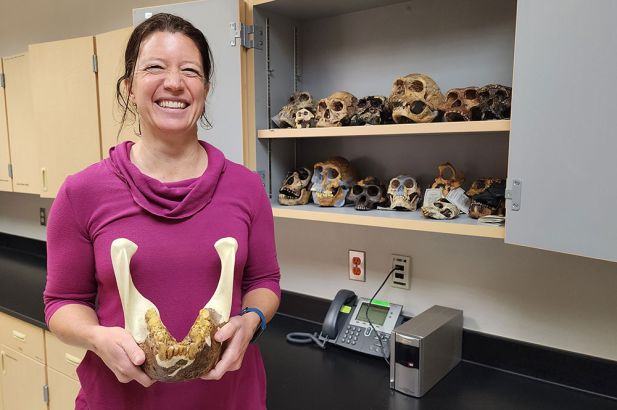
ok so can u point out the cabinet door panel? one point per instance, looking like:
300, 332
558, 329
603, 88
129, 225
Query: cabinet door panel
110, 56
62, 390
224, 101
22, 381
24, 149
562, 141
6, 184
65, 108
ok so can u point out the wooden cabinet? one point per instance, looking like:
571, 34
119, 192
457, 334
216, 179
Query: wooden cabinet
22, 135
64, 97
6, 183
62, 362
110, 61
22, 365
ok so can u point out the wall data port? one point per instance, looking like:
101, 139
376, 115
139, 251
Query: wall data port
401, 276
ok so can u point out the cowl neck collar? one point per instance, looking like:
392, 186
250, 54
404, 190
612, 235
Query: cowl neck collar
169, 200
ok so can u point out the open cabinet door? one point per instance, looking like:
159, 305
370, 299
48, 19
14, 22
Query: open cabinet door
563, 141
224, 102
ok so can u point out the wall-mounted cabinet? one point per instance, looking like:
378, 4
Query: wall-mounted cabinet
110, 57
64, 96
22, 129
363, 46
6, 183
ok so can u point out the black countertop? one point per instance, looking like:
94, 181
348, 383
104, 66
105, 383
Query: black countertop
307, 377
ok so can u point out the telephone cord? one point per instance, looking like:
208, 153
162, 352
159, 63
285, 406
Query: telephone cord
383, 351
307, 338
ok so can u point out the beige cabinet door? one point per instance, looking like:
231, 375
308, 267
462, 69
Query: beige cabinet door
110, 57
65, 101
62, 390
6, 183
23, 141
22, 380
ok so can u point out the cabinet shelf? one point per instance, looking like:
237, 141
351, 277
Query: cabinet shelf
414, 221
492, 126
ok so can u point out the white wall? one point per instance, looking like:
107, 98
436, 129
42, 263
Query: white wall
552, 299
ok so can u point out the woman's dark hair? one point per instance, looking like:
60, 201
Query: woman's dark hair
161, 22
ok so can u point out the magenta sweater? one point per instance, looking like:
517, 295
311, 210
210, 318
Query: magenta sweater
175, 226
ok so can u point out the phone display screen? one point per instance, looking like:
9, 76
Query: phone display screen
377, 314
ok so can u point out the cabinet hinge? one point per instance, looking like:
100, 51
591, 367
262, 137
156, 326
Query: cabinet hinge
10, 170
514, 194
46, 393
2, 80
243, 33
95, 63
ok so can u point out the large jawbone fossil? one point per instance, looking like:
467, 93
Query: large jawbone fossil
167, 359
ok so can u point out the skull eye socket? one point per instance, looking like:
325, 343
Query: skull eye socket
409, 183
337, 105
375, 102
417, 86
303, 97
484, 95
452, 96
373, 190
303, 173
417, 107
471, 94
318, 169
501, 94
363, 103
332, 173
438, 205
289, 180
323, 105
357, 189
395, 183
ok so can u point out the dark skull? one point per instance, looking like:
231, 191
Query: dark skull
372, 110
367, 194
494, 102
487, 197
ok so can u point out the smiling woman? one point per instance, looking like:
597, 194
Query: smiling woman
172, 198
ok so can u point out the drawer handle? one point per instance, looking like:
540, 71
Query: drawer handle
72, 359
19, 336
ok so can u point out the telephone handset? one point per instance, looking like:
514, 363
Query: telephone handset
352, 323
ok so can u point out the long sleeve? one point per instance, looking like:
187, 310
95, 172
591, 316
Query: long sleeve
70, 258
262, 269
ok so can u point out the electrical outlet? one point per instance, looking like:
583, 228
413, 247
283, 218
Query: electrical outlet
401, 276
43, 216
357, 266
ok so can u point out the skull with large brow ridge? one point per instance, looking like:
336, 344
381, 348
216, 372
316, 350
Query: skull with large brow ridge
167, 359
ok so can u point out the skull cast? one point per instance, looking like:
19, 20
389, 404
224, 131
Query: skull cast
404, 193
372, 110
332, 180
305, 119
487, 197
415, 98
286, 118
494, 102
166, 358
336, 110
441, 209
461, 104
295, 189
367, 194
448, 179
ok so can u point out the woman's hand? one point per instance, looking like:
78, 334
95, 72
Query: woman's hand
117, 348
238, 332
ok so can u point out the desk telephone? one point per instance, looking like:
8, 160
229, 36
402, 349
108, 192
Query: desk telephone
347, 323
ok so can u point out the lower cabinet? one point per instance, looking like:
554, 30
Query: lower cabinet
62, 390
22, 380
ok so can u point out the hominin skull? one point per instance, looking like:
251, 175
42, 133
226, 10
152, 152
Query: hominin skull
332, 180
494, 102
286, 118
367, 194
461, 104
336, 110
448, 179
441, 209
415, 98
487, 197
372, 110
404, 193
295, 189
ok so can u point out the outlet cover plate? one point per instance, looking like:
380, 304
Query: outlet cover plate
401, 278
357, 265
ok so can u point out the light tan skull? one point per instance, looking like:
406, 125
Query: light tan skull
448, 179
415, 98
336, 110
286, 118
332, 181
295, 189
404, 193
166, 358
461, 104
441, 209
305, 119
